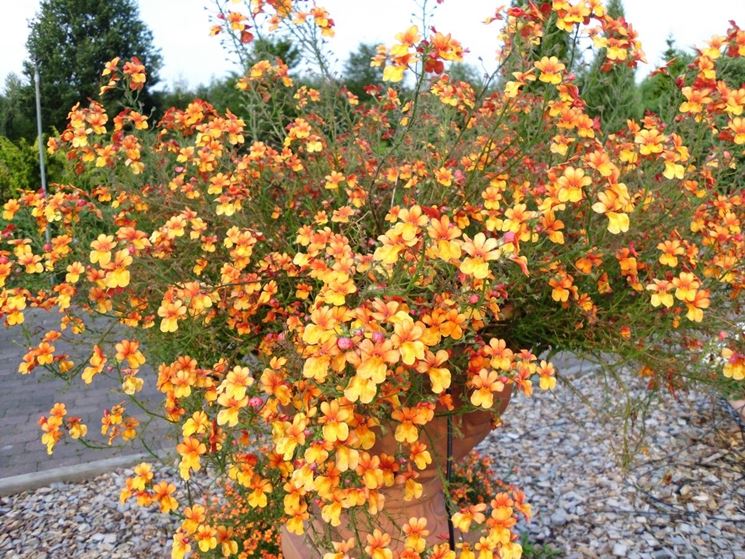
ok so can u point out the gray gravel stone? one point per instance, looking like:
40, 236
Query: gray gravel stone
681, 495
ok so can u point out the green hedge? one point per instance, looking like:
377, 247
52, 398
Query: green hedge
18, 167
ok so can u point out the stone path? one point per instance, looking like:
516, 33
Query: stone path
24, 398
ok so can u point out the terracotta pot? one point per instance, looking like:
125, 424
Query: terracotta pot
469, 430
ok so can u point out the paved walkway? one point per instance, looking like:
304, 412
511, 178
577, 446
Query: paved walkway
24, 398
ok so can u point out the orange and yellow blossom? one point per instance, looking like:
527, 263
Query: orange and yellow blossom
571, 184
377, 545
171, 312
550, 70
336, 416
485, 384
407, 339
686, 285
190, 449
480, 250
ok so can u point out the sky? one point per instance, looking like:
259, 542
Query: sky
191, 57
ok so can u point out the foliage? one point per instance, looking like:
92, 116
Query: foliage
18, 167
71, 40
536, 551
319, 289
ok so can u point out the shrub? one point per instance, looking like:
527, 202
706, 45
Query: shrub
18, 167
309, 284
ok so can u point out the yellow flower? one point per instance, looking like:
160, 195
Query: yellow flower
334, 421
102, 248
171, 312
406, 339
551, 69
485, 384
480, 252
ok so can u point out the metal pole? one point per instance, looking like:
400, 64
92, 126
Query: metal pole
40, 142
449, 477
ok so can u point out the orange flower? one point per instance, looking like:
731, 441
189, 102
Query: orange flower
260, 486
695, 99
686, 285
671, 249
550, 69
97, 362
737, 125
143, 475
444, 176
547, 374
129, 350
415, 530
231, 408
377, 545
444, 234
335, 420
485, 384
206, 538
661, 293
562, 285
373, 358
500, 355
571, 184
190, 449
650, 141
171, 312
181, 547
734, 368
102, 248
480, 252
163, 495
464, 517
697, 305
407, 339
136, 72
439, 376
237, 381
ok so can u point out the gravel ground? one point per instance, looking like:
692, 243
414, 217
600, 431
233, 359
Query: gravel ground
683, 495
82, 521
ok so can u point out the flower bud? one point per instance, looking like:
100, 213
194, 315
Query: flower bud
256, 402
344, 343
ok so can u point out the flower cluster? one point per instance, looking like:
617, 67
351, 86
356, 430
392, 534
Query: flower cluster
318, 291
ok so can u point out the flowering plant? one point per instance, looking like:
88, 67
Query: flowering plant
308, 281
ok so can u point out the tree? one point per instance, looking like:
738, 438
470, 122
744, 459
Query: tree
71, 40
468, 73
270, 49
611, 93
16, 117
358, 73
659, 92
